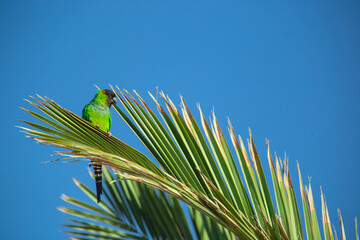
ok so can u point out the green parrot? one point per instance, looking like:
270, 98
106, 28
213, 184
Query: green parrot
97, 112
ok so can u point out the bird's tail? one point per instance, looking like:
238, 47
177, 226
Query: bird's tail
98, 180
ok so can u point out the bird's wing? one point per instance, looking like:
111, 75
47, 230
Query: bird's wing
97, 116
109, 120
86, 112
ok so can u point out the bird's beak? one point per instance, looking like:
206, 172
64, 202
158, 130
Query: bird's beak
114, 100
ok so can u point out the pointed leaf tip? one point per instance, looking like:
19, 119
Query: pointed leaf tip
62, 209
64, 197
96, 86
76, 182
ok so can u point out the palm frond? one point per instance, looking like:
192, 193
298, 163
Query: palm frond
130, 210
199, 169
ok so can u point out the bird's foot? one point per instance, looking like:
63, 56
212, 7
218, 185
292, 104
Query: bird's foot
109, 133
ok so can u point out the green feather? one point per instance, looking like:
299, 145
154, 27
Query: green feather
97, 112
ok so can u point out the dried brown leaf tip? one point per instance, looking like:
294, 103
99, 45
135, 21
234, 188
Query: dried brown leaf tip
119, 95
125, 98
252, 145
271, 163
243, 150
188, 121
310, 198
301, 182
290, 182
131, 97
287, 178
252, 152
32, 103
157, 103
168, 105
233, 135
217, 129
204, 124
174, 107
278, 169
142, 101
45, 99
186, 107
325, 212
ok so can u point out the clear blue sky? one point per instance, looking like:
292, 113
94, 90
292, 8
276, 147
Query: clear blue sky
289, 71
